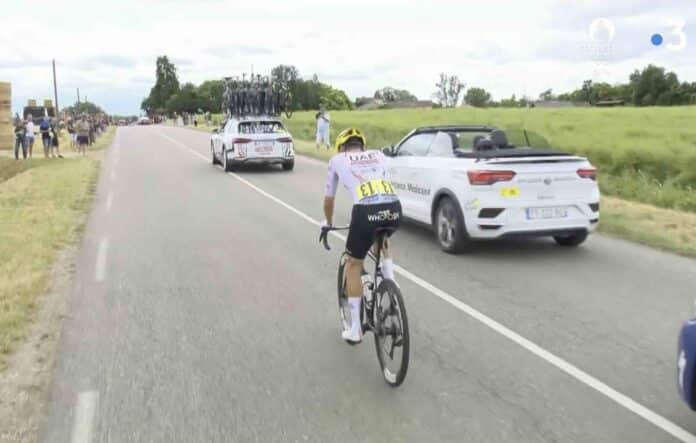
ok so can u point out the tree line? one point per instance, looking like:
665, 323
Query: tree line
652, 85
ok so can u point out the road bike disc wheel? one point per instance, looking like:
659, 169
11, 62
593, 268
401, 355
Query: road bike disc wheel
392, 340
343, 305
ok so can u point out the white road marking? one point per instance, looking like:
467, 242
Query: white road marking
100, 267
551, 358
85, 411
109, 200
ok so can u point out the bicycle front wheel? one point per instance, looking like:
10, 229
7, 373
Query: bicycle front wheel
392, 340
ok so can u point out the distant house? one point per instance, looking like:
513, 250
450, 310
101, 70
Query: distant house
610, 103
555, 104
408, 104
364, 103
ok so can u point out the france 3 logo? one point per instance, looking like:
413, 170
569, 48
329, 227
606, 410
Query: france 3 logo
670, 35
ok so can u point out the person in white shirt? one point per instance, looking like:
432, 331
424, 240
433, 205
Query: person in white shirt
30, 134
323, 128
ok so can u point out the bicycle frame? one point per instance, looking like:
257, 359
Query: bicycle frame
375, 256
377, 318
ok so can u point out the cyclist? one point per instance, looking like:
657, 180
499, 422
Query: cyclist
375, 205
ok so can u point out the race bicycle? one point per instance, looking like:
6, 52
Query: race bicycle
383, 313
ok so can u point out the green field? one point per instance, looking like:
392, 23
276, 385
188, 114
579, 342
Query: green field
643, 154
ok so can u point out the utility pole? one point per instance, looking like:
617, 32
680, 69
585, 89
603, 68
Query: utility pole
55, 87
78, 96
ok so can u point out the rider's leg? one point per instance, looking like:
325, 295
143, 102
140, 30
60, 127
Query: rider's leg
387, 262
354, 290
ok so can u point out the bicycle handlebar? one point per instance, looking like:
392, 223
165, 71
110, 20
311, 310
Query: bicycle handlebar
324, 236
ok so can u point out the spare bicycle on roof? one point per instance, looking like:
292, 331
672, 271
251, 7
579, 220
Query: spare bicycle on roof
257, 95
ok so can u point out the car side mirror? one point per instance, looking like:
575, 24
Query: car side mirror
388, 150
215, 131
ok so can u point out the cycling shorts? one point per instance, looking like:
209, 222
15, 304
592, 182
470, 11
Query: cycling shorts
364, 222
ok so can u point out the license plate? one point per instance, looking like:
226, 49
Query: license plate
263, 149
545, 213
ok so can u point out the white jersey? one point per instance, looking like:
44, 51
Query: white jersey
364, 175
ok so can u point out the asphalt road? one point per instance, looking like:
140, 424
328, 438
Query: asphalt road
204, 310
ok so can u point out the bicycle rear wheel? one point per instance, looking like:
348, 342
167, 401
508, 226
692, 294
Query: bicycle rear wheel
392, 340
343, 305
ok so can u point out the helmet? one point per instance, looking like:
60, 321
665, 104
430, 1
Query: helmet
347, 134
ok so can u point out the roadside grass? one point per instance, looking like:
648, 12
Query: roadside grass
643, 154
665, 229
9, 167
42, 207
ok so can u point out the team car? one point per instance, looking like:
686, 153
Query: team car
469, 182
252, 140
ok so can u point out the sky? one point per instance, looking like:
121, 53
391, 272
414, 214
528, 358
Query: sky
108, 49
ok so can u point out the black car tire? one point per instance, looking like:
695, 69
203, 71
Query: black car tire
228, 166
450, 230
571, 240
289, 165
212, 155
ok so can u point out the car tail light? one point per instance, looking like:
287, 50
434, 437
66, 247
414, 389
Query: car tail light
240, 146
489, 177
286, 146
590, 173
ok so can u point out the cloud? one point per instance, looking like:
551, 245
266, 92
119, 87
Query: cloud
237, 50
105, 60
359, 46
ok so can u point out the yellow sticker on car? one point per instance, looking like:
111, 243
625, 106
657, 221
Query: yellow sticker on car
509, 192
374, 187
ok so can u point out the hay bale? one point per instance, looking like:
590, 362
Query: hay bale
6, 141
31, 103
5, 89
48, 103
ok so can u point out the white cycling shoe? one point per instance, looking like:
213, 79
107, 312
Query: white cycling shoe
352, 336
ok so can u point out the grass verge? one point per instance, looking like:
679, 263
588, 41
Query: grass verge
42, 207
666, 229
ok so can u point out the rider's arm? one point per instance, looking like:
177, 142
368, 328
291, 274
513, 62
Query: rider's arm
330, 193
329, 209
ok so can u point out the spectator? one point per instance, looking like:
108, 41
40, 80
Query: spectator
195, 122
20, 132
29, 128
45, 130
72, 133
90, 130
82, 129
55, 132
323, 128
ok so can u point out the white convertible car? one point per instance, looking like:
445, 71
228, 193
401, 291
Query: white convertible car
257, 140
468, 182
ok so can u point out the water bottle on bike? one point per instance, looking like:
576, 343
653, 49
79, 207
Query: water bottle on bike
368, 286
